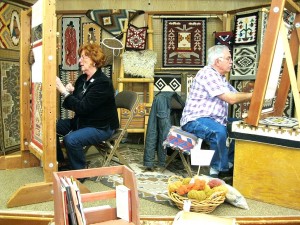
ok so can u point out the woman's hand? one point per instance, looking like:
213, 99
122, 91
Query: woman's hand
59, 86
70, 87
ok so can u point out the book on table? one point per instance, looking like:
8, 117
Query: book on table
73, 205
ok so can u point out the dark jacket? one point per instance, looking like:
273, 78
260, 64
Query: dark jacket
93, 102
161, 118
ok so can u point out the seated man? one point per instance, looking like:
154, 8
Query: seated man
206, 109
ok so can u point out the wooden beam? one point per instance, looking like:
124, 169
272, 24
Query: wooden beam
265, 62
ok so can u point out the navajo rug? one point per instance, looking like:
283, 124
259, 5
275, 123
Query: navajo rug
245, 62
10, 26
70, 42
112, 20
10, 106
246, 29
224, 38
184, 42
152, 185
136, 38
91, 33
167, 82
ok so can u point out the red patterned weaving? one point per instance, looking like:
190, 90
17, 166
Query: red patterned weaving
136, 38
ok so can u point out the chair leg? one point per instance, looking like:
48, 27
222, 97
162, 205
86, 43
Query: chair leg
122, 159
172, 157
186, 164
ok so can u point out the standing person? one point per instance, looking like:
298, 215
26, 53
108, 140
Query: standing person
92, 98
206, 110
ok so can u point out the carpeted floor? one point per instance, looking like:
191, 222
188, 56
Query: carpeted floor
11, 180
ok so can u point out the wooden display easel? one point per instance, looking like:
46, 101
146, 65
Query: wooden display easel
275, 28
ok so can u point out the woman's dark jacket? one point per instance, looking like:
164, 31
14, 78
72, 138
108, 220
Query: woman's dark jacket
93, 102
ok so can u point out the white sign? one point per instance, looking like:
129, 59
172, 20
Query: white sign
201, 157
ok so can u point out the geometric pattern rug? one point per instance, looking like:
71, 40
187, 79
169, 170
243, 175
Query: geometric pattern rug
9, 106
152, 186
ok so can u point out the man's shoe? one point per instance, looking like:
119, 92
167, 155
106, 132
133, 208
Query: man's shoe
228, 173
214, 175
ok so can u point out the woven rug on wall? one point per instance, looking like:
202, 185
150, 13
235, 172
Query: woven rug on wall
71, 33
67, 77
224, 38
245, 62
91, 33
112, 20
246, 29
136, 38
184, 42
10, 26
167, 82
10, 106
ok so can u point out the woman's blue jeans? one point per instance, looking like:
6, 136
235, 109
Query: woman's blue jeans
216, 135
76, 140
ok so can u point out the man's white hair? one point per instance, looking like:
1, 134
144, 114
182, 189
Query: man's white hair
215, 52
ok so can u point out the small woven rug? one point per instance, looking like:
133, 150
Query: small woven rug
152, 185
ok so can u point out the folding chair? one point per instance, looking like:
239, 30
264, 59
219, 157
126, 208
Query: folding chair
182, 143
126, 100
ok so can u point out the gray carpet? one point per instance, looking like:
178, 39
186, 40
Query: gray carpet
11, 180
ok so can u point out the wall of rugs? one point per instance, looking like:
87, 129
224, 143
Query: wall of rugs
10, 74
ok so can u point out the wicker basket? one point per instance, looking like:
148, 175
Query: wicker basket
206, 206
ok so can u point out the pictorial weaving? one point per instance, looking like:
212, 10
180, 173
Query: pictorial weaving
36, 114
70, 42
246, 29
112, 20
167, 82
136, 38
245, 62
10, 26
139, 63
10, 106
91, 33
184, 43
224, 38
67, 77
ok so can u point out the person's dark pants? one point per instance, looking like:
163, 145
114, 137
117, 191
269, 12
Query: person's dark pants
76, 140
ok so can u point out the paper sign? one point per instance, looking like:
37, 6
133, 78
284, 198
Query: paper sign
201, 157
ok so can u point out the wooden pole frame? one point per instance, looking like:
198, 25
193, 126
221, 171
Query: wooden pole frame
31, 156
263, 73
